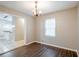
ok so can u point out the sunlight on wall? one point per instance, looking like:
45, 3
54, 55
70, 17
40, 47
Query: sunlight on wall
50, 27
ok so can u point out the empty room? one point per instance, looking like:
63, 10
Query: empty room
39, 28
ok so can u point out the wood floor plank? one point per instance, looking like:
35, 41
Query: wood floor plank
39, 50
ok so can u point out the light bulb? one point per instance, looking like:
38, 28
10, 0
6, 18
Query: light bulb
40, 12
34, 12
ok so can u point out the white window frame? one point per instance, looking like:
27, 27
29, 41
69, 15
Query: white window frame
51, 29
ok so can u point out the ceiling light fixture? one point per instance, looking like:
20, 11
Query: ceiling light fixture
36, 12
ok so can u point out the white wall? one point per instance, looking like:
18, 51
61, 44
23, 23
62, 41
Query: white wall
66, 29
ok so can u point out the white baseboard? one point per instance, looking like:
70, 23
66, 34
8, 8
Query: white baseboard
78, 53
57, 46
30, 43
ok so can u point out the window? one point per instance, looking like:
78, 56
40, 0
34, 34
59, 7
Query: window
50, 27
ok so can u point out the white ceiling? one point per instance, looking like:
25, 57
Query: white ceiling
45, 6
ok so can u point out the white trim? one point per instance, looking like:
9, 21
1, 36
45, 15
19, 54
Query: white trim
29, 43
78, 53
57, 46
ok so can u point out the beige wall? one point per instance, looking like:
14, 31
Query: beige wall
78, 29
30, 29
25, 27
19, 29
66, 29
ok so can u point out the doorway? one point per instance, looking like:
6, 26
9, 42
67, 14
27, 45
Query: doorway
11, 32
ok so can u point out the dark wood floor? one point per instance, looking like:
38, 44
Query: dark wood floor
39, 50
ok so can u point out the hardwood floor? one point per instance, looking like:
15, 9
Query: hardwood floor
39, 50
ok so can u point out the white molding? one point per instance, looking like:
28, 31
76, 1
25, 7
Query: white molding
57, 46
78, 53
29, 43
